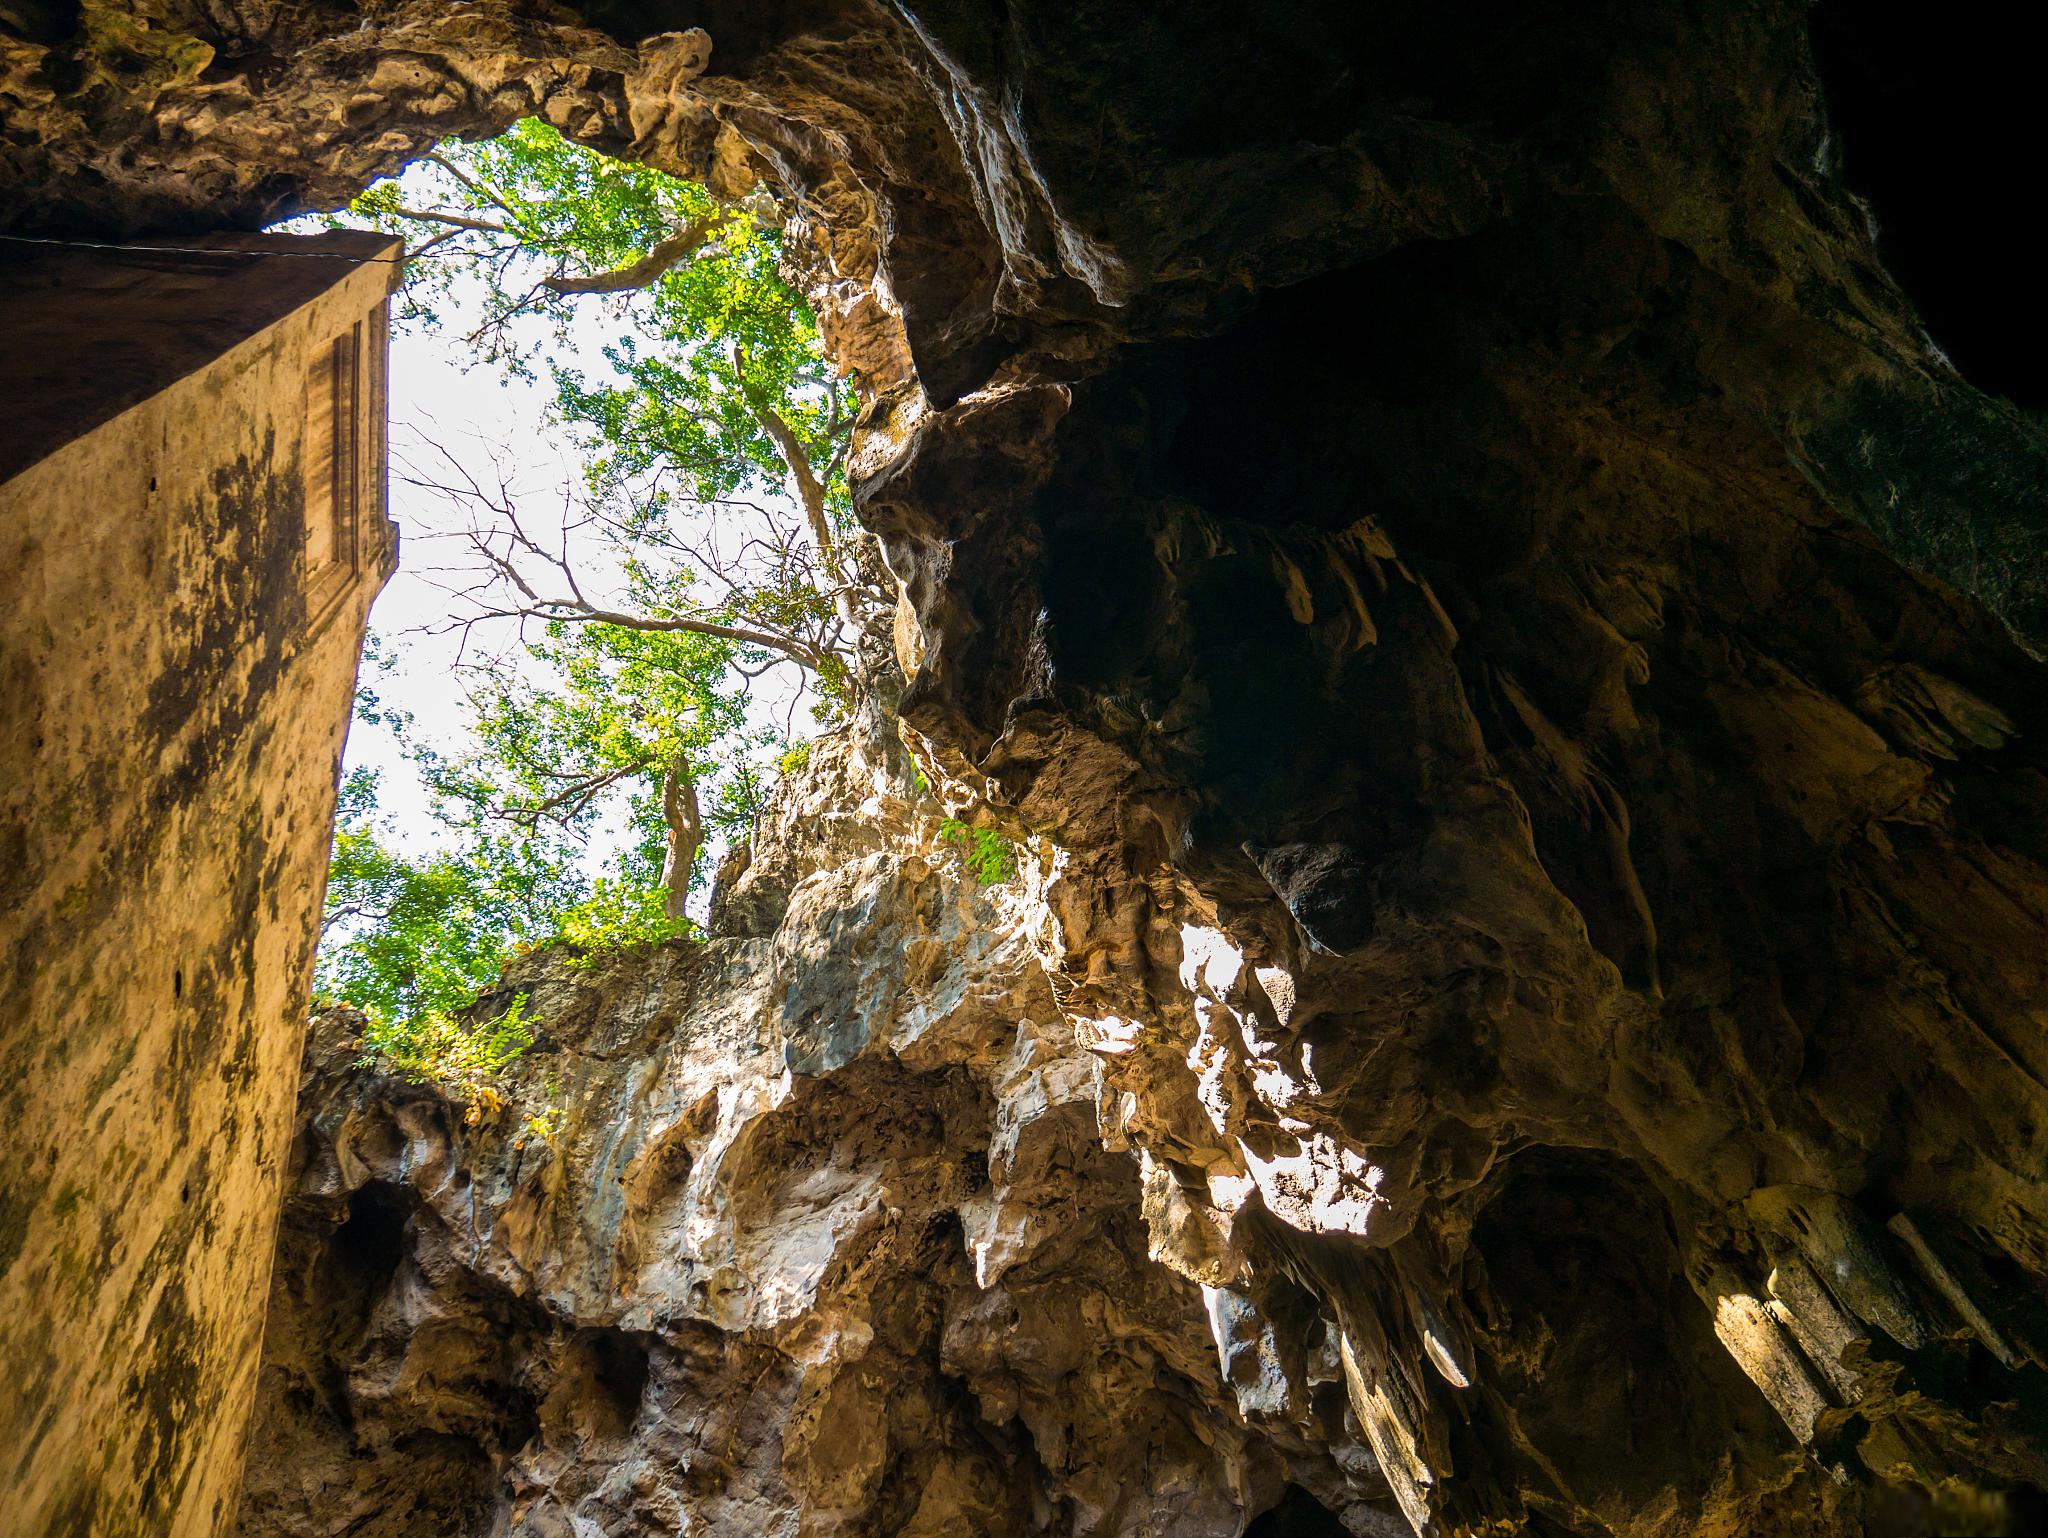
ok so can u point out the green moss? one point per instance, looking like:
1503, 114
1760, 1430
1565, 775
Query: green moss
110, 1071
125, 52
16, 1207
76, 905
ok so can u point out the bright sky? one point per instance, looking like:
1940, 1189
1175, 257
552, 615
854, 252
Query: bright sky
441, 395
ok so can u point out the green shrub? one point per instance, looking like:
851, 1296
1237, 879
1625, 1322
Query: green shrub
991, 857
463, 1060
618, 916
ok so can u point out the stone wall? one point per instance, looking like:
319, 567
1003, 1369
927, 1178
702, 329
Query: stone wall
191, 533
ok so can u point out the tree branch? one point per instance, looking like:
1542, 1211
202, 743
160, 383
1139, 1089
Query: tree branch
351, 911
575, 797
789, 646
459, 221
668, 253
809, 489
471, 183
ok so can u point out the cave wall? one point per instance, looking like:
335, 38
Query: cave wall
1527, 652
802, 1229
192, 528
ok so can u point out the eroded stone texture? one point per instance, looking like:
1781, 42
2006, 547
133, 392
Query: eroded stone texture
821, 1239
1526, 652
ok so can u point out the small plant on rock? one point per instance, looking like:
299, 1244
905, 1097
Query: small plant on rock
463, 1060
990, 857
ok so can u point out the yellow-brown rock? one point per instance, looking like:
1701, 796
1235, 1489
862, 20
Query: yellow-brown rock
1525, 650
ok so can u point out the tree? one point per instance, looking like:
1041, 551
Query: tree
629, 713
705, 548
721, 399
401, 938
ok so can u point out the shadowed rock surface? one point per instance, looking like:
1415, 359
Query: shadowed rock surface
820, 1238
1526, 656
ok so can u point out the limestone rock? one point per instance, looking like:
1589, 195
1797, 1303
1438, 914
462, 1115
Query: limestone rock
807, 1232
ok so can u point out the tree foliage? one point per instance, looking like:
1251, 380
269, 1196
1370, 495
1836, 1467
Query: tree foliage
461, 1057
404, 936
705, 549
990, 858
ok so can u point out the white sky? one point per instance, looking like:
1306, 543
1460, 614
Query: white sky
442, 394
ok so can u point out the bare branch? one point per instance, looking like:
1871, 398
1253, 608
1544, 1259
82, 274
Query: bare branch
788, 646
351, 911
566, 805
576, 606
472, 184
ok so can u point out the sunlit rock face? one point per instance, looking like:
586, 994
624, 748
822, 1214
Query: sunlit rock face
1523, 652
818, 1238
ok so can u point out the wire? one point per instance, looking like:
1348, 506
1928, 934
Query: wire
108, 245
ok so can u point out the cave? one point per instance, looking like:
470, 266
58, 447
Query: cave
1484, 568
1299, 1515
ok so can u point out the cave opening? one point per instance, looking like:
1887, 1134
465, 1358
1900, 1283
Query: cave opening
370, 1242
1383, 420
637, 589
1297, 1514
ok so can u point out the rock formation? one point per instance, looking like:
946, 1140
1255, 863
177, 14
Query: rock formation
1526, 657
803, 1229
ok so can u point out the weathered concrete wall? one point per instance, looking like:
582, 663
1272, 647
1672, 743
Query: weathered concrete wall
192, 534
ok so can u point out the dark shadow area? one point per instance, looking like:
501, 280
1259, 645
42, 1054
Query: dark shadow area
1579, 1242
1269, 423
1299, 1515
365, 1252
1936, 113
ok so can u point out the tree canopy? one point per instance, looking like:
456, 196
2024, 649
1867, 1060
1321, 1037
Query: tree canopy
704, 549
